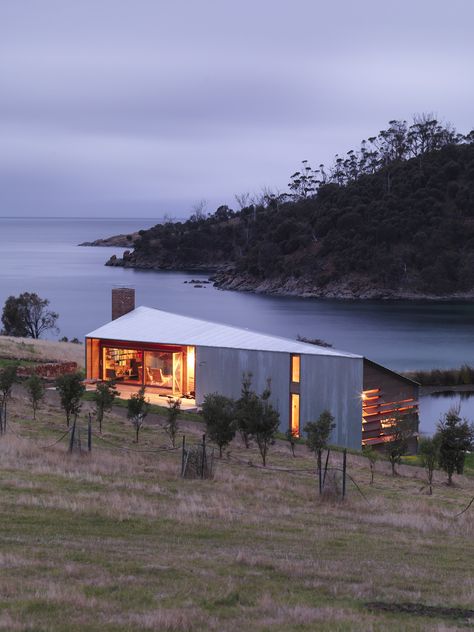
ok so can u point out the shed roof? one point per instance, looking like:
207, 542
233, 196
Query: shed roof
147, 324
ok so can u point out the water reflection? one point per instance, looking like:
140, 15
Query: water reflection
434, 406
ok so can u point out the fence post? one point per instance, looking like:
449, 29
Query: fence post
320, 472
71, 439
326, 467
344, 467
3, 417
203, 454
182, 454
89, 434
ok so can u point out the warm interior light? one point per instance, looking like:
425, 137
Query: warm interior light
190, 361
295, 368
295, 414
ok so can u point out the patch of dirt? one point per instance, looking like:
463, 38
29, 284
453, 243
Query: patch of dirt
421, 609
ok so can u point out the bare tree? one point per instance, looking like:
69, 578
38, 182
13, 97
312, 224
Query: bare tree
243, 200
199, 211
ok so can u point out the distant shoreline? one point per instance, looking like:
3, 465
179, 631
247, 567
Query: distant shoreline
225, 277
441, 390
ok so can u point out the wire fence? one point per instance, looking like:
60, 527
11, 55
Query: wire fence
197, 459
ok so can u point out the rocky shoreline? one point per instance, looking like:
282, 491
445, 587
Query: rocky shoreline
225, 277
351, 288
117, 241
127, 261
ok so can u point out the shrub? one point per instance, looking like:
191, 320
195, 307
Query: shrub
8, 378
104, 397
372, 456
70, 387
317, 435
35, 389
403, 430
137, 410
256, 417
219, 414
171, 426
428, 449
455, 438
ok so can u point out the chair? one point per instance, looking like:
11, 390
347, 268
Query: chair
165, 380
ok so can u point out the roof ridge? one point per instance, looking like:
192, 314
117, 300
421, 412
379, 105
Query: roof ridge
201, 332
245, 329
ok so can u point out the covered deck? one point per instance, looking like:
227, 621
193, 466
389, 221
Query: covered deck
164, 370
127, 390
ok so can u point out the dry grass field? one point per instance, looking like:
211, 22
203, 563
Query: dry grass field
116, 540
26, 349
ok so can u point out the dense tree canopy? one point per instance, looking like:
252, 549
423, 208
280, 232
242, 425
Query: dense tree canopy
397, 213
28, 316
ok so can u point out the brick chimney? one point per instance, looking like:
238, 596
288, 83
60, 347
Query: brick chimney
123, 301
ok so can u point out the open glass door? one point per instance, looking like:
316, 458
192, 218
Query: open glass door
177, 373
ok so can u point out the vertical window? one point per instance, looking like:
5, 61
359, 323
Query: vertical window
295, 415
93, 359
295, 368
190, 362
88, 358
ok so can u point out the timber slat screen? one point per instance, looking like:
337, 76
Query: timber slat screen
386, 398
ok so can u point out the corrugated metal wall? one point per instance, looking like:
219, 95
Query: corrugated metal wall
332, 383
221, 370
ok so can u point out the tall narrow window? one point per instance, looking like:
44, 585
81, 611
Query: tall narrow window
190, 362
295, 368
295, 414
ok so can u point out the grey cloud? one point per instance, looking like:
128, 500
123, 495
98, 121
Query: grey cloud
163, 103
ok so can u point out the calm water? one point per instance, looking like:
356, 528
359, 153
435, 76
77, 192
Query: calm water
41, 255
433, 407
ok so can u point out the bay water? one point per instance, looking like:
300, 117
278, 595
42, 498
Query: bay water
42, 255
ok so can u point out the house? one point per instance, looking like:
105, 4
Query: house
186, 357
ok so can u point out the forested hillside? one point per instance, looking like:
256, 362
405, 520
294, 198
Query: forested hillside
394, 218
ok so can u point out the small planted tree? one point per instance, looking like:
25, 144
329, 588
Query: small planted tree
104, 397
291, 438
219, 414
318, 433
246, 408
70, 387
137, 410
403, 428
428, 449
172, 414
263, 423
8, 378
455, 438
35, 389
372, 457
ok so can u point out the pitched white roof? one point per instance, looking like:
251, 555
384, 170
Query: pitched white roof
146, 324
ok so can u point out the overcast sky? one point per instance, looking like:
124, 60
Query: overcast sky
141, 108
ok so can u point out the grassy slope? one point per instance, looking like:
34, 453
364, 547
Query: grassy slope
117, 541
27, 350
